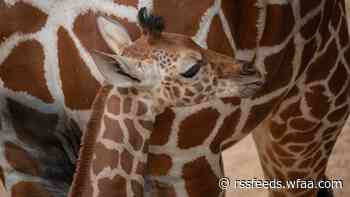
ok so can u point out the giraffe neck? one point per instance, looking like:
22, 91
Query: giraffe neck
114, 148
301, 51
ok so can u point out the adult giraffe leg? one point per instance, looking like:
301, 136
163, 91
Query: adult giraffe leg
293, 144
309, 164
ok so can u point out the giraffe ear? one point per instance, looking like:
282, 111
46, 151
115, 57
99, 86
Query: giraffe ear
111, 70
115, 35
125, 72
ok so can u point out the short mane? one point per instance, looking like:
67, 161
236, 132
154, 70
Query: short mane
151, 24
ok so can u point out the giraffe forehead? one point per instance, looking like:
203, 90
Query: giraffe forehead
168, 44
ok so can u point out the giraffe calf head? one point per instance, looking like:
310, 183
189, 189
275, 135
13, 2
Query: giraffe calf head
171, 68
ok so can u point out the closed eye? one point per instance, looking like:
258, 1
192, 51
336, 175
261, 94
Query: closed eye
120, 71
191, 72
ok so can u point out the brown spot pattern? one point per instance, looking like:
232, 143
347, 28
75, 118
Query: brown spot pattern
308, 53
321, 67
277, 130
126, 161
78, 84
243, 25
200, 179
186, 19
25, 121
127, 104
113, 105
21, 18
20, 159
257, 114
272, 156
158, 165
343, 34
288, 162
326, 19
305, 164
310, 149
280, 69
292, 110
342, 98
297, 138
338, 114
279, 24
221, 43
113, 130
34, 189
338, 79
135, 138
30, 70
85, 27
162, 127
226, 130
192, 131
232, 100
302, 124
280, 151
318, 101
307, 6
141, 108
311, 27
104, 157
132, 3
336, 18
108, 187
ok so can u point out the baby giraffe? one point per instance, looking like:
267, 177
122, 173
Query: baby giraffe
144, 77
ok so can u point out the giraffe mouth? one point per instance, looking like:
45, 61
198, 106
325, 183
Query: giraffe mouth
250, 88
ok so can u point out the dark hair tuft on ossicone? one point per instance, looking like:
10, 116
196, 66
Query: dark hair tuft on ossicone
151, 24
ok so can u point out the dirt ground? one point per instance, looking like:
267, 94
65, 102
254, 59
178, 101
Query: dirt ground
247, 166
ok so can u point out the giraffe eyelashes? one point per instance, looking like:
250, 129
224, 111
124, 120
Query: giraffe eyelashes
121, 72
191, 72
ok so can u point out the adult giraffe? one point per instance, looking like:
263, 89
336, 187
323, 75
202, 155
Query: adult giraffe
302, 46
